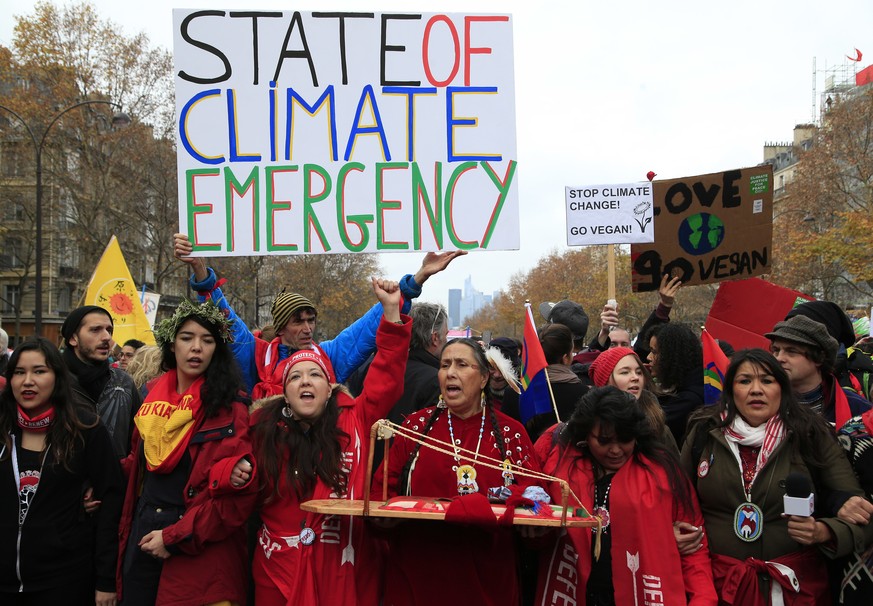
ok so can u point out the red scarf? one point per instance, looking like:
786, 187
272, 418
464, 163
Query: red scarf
40, 423
644, 553
842, 410
167, 420
641, 534
272, 371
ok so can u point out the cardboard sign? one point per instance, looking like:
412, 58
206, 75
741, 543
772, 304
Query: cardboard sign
744, 310
708, 228
609, 214
315, 132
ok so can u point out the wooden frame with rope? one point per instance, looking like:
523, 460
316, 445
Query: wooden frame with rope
562, 516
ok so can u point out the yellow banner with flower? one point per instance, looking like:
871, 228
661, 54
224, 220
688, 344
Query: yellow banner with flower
112, 288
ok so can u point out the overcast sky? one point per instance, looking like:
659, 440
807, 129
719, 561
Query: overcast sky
608, 91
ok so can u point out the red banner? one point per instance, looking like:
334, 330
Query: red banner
744, 310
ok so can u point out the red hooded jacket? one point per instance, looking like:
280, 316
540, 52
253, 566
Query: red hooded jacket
341, 565
213, 564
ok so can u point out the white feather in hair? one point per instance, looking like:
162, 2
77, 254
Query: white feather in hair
499, 362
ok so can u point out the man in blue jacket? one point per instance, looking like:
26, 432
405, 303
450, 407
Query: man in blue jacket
294, 319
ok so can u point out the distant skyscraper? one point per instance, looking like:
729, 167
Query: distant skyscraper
454, 307
472, 301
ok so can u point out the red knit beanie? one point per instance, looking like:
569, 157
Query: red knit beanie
601, 368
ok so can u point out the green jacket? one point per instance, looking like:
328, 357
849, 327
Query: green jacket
720, 490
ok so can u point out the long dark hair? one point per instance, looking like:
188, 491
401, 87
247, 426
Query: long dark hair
484, 366
308, 453
680, 355
65, 434
620, 411
809, 427
223, 382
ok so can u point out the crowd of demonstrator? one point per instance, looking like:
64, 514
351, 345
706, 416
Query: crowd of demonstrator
177, 475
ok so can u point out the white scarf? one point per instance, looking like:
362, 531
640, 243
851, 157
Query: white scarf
766, 436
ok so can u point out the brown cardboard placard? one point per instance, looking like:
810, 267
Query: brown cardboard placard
708, 228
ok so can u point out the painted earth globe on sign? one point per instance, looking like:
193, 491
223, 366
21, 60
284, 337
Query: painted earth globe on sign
701, 234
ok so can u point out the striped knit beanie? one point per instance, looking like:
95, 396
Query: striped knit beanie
285, 305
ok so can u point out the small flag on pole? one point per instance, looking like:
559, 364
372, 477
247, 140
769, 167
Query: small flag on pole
535, 398
715, 365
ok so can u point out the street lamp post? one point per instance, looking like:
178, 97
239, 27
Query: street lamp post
119, 119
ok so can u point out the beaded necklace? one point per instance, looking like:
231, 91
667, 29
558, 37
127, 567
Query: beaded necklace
601, 507
466, 474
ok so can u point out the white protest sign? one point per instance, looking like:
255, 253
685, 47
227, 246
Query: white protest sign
609, 214
313, 132
150, 302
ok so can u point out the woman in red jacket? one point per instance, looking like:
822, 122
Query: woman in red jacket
312, 443
483, 562
190, 488
621, 472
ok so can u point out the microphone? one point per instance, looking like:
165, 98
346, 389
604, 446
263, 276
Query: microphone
799, 499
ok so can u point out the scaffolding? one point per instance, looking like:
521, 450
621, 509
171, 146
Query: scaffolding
839, 83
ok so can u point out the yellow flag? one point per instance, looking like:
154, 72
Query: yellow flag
112, 288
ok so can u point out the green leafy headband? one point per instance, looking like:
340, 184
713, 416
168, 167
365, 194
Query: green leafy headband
165, 331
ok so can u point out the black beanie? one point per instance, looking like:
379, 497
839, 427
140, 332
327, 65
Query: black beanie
829, 314
71, 324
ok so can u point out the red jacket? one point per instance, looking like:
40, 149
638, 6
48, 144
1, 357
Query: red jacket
646, 565
213, 563
340, 566
439, 563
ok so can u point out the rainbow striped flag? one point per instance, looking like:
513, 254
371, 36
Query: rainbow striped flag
715, 365
535, 398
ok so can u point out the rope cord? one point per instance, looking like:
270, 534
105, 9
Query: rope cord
449, 449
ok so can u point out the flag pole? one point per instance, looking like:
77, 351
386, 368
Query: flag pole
610, 271
552, 395
548, 380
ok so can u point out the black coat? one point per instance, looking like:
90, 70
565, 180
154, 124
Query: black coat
677, 405
59, 543
421, 386
567, 395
